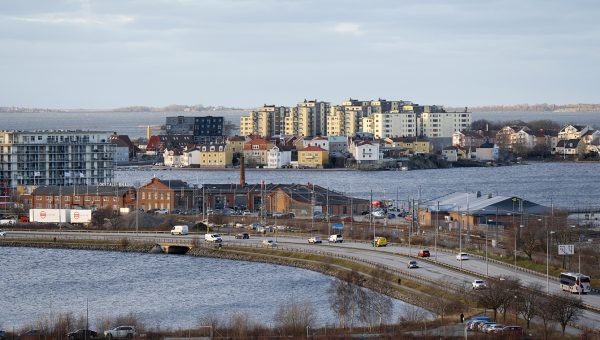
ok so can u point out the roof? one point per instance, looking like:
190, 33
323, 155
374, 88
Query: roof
482, 204
304, 193
568, 143
487, 145
313, 148
451, 147
171, 183
104, 190
236, 139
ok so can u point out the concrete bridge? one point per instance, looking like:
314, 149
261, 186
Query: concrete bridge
172, 248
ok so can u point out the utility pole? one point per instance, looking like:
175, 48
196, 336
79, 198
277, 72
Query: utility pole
437, 226
371, 216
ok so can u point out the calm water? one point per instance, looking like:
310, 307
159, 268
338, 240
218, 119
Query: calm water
564, 184
165, 290
134, 123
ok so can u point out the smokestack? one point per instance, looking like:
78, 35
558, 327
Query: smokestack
148, 133
242, 171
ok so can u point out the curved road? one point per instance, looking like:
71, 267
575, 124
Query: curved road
447, 268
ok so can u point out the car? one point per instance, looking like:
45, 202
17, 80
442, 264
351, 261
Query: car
486, 325
336, 238
380, 242
180, 230
121, 332
512, 330
391, 216
269, 243
82, 334
494, 329
2, 233
216, 238
478, 284
243, 236
462, 256
483, 324
412, 264
473, 325
347, 219
161, 211
424, 253
315, 239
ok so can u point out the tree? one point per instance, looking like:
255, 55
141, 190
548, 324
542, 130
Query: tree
229, 128
378, 304
529, 242
528, 301
545, 312
345, 298
498, 294
294, 318
566, 308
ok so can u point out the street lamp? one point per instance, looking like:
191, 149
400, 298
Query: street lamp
548, 236
487, 229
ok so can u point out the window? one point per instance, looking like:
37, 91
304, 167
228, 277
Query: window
77, 198
38, 198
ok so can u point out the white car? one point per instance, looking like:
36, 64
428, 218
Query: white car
121, 332
479, 284
2, 233
462, 256
216, 238
336, 238
315, 239
269, 243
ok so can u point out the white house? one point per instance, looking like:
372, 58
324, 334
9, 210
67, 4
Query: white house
278, 158
571, 132
366, 152
450, 153
191, 158
172, 157
338, 145
486, 152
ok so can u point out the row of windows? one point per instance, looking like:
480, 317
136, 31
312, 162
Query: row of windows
76, 198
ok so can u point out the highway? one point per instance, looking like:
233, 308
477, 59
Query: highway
395, 257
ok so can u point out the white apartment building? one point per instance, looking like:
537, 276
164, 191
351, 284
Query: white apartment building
394, 124
56, 157
442, 124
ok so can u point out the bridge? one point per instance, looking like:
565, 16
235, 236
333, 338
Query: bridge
172, 248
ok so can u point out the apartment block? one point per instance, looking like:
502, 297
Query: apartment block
203, 128
266, 121
442, 124
394, 124
56, 157
308, 118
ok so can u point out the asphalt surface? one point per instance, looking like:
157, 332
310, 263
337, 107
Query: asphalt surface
441, 268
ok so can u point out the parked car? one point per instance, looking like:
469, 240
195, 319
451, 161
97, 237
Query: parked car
315, 239
412, 264
391, 216
82, 334
424, 253
473, 325
2, 233
216, 238
512, 330
121, 332
462, 256
336, 238
269, 243
380, 242
479, 284
161, 211
347, 219
180, 230
243, 236
494, 328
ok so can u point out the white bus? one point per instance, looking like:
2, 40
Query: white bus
574, 282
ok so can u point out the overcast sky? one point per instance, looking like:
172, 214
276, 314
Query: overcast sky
245, 53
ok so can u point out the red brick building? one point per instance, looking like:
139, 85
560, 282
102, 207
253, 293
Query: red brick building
168, 194
87, 197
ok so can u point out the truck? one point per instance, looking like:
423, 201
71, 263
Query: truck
180, 230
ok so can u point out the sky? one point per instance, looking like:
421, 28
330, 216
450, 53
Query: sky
246, 53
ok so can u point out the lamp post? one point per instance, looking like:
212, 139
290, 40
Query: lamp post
548, 236
487, 229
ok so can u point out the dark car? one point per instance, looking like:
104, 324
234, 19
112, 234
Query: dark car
424, 253
82, 334
243, 236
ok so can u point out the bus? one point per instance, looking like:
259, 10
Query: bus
575, 283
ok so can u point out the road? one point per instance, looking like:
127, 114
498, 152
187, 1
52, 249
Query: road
441, 268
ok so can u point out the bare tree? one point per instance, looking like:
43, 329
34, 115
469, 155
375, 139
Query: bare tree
545, 313
498, 294
294, 318
378, 305
529, 242
345, 297
566, 308
528, 302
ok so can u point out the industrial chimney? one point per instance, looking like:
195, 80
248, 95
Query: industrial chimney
242, 171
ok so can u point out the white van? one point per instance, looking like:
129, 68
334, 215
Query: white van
213, 238
336, 238
180, 230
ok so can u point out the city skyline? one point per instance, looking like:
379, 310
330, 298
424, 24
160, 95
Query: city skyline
91, 54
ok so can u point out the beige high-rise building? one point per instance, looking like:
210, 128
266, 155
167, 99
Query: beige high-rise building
442, 124
265, 121
308, 118
345, 119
